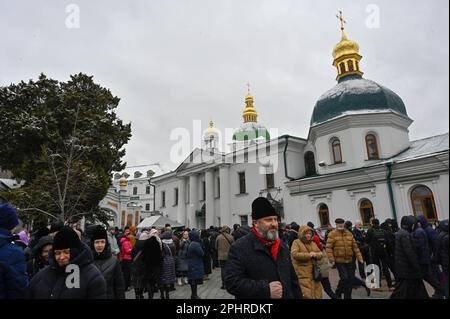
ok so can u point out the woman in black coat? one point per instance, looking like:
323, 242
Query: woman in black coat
207, 257
153, 260
409, 275
50, 283
108, 264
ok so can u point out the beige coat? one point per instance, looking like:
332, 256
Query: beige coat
223, 245
303, 264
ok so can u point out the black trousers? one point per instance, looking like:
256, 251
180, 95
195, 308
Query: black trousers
222, 264
381, 260
126, 270
431, 276
325, 281
409, 289
346, 275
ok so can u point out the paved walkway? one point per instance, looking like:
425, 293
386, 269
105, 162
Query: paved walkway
211, 289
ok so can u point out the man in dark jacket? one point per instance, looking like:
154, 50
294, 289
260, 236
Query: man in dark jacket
409, 275
360, 237
69, 257
442, 252
426, 248
259, 266
377, 240
108, 264
13, 268
293, 233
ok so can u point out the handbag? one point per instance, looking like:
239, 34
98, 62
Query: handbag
317, 276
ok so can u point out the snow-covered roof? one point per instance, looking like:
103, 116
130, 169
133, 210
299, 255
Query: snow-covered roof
159, 169
11, 183
158, 222
424, 147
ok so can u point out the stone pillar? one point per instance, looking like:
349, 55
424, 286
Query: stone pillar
210, 216
225, 210
193, 201
181, 209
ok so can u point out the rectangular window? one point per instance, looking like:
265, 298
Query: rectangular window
147, 189
244, 220
204, 190
176, 197
218, 187
163, 199
188, 193
246, 155
270, 181
147, 207
242, 189
135, 190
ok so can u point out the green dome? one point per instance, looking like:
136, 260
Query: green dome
250, 131
353, 94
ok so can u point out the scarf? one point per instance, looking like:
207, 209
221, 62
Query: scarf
274, 245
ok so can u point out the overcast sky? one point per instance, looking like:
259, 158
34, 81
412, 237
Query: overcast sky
172, 62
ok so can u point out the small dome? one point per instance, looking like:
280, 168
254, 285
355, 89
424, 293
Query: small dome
356, 95
211, 129
345, 47
123, 181
251, 131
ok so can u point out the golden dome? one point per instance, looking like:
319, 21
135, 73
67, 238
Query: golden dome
211, 129
123, 181
250, 114
346, 56
345, 47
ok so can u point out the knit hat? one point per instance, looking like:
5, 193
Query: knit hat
261, 207
66, 238
8, 217
56, 226
99, 233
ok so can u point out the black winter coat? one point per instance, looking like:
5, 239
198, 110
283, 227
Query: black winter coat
250, 268
50, 283
442, 249
111, 270
406, 258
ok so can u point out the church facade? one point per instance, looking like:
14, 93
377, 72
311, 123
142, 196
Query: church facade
357, 163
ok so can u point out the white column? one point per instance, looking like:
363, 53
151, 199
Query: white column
225, 212
181, 209
210, 216
193, 201
437, 198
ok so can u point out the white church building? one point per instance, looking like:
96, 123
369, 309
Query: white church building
357, 162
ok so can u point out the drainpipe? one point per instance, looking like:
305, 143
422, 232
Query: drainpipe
391, 193
285, 160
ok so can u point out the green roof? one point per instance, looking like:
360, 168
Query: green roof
353, 94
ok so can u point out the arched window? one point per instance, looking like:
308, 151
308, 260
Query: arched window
336, 149
350, 65
122, 224
342, 66
366, 211
357, 65
422, 200
136, 218
129, 220
372, 147
310, 164
324, 215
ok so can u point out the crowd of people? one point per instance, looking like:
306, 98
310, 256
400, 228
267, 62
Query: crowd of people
266, 260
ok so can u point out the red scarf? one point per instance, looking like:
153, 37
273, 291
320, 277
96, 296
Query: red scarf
274, 245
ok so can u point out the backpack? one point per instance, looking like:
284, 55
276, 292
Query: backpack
380, 238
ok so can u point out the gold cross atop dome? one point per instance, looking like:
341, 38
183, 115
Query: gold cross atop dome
341, 18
